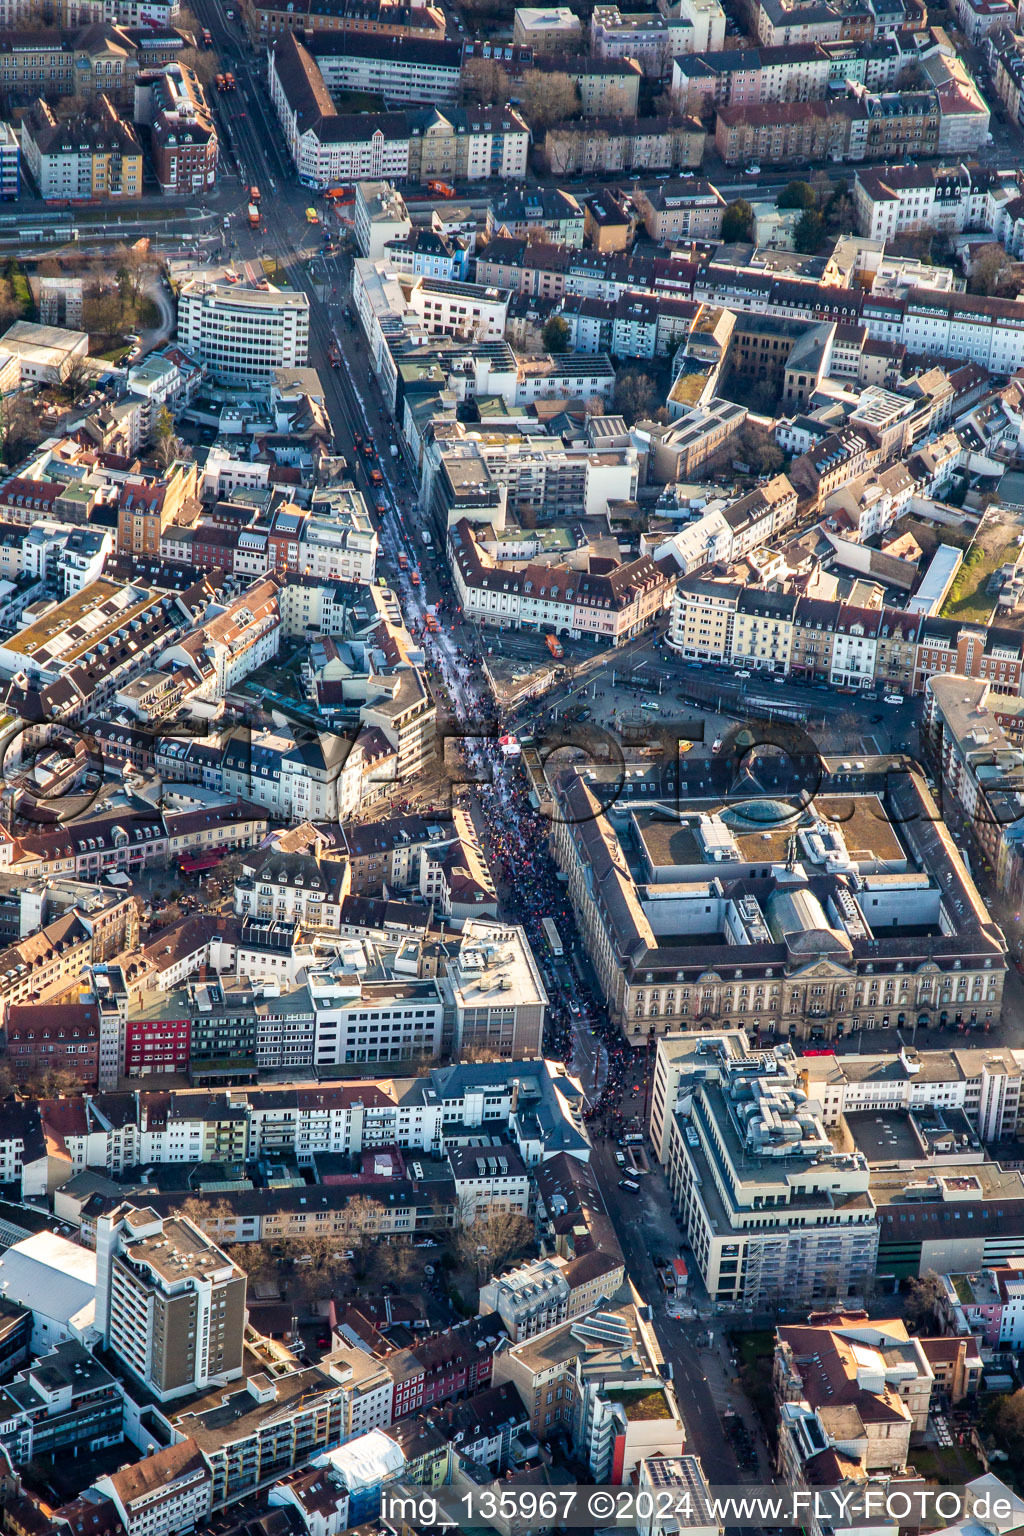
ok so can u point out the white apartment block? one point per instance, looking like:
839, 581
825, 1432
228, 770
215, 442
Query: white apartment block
984, 1084
699, 26
404, 71
243, 335
339, 550
901, 199
528, 1300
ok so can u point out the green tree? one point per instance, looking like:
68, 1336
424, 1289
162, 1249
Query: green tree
798, 194
738, 221
809, 232
165, 438
555, 335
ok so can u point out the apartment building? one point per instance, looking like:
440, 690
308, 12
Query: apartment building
379, 18
147, 505
984, 1084
688, 209
599, 1381
41, 1037
403, 70
546, 29
616, 144
537, 213
987, 1306
764, 1227
896, 649
850, 1385
243, 335
416, 146
528, 1300
612, 606
902, 199
680, 1059
978, 766
169, 1303
162, 1494
537, 1104
494, 994
90, 158
63, 1403
254, 1434
781, 132
544, 1293
745, 77
607, 87
95, 56
10, 163
655, 38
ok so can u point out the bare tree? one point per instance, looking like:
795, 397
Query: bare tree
484, 83
76, 378
634, 391
254, 1259
19, 428
53, 1083
204, 64
546, 98
66, 107
214, 1217
130, 270
391, 1259
485, 1244
318, 1262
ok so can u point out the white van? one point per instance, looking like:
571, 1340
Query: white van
892, 698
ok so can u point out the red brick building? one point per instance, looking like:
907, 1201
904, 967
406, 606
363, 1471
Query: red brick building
460, 1360
183, 139
61, 1036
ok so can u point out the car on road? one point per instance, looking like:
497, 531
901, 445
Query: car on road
741, 672
630, 1184
892, 698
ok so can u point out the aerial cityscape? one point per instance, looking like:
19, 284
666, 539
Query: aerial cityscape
512, 739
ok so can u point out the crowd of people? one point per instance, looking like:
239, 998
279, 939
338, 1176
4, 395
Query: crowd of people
577, 1029
516, 842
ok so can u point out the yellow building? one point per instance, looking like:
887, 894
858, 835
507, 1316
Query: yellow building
96, 157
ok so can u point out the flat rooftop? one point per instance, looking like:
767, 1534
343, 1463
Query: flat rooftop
862, 820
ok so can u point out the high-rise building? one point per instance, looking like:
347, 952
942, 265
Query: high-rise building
169, 1302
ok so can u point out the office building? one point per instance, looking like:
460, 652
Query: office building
243, 335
